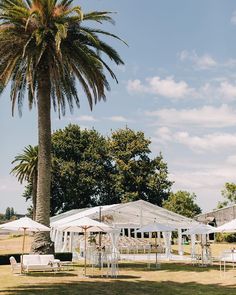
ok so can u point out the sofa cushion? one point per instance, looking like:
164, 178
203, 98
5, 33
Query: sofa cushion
46, 259
31, 259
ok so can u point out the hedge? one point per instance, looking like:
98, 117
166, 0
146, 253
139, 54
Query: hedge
63, 256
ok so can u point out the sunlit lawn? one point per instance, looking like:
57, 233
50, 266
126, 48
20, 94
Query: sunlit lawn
134, 278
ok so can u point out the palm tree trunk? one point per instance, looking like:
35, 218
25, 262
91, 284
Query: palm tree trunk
42, 242
34, 193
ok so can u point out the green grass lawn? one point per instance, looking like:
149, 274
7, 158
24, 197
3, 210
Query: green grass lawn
133, 279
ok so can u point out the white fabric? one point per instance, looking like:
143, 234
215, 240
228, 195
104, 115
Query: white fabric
227, 227
114, 235
167, 240
156, 227
199, 229
24, 224
129, 215
84, 223
180, 242
193, 245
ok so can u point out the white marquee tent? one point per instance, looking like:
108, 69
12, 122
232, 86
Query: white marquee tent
125, 216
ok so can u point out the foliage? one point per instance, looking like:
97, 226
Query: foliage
81, 168
137, 176
182, 202
26, 169
9, 214
229, 195
51, 37
225, 237
26, 164
88, 169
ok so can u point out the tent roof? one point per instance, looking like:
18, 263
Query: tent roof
132, 214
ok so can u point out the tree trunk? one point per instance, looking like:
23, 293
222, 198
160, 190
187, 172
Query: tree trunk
34, 193
42, 242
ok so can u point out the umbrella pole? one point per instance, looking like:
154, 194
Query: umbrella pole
85, 250
156, 247
23, 250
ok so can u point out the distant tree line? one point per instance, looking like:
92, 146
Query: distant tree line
9, 214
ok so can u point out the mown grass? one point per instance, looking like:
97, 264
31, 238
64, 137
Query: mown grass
133, 279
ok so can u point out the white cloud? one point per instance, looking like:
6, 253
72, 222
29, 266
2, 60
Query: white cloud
135, 86
227, 90
206, 116
118, 119
231, 160
86, 118
203, 62
203, 178
167, 87
233, 18
213, 142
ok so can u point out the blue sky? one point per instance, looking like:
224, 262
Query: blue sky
178, 85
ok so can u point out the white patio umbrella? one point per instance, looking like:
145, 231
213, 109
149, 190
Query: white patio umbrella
85, 225
228, 227
201, 229
25, 225
156, 227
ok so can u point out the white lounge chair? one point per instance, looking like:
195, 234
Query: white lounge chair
15, 266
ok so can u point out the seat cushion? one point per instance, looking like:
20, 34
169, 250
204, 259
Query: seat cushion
31, 259
46, 259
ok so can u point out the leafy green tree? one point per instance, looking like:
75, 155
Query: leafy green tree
44, 48
137, 176
229, 195
8, 213
12, 212
81, 169
86, 173
183, 203
26, 169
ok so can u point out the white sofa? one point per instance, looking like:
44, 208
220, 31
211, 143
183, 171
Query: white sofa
36, 262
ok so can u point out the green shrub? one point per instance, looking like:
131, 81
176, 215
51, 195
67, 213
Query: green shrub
225, 237
230, 238
63, 256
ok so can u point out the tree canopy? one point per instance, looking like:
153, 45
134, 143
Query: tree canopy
137, 175
229, 195
89, 169
184, 203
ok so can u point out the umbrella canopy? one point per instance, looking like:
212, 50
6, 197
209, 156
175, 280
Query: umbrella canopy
84, 223
228, 227
200, 229
24, 224
156, 227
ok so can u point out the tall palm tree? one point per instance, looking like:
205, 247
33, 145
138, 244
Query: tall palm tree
44, 49
26, 169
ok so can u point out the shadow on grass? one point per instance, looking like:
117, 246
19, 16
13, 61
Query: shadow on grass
50, 274
171, 267
117, 287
